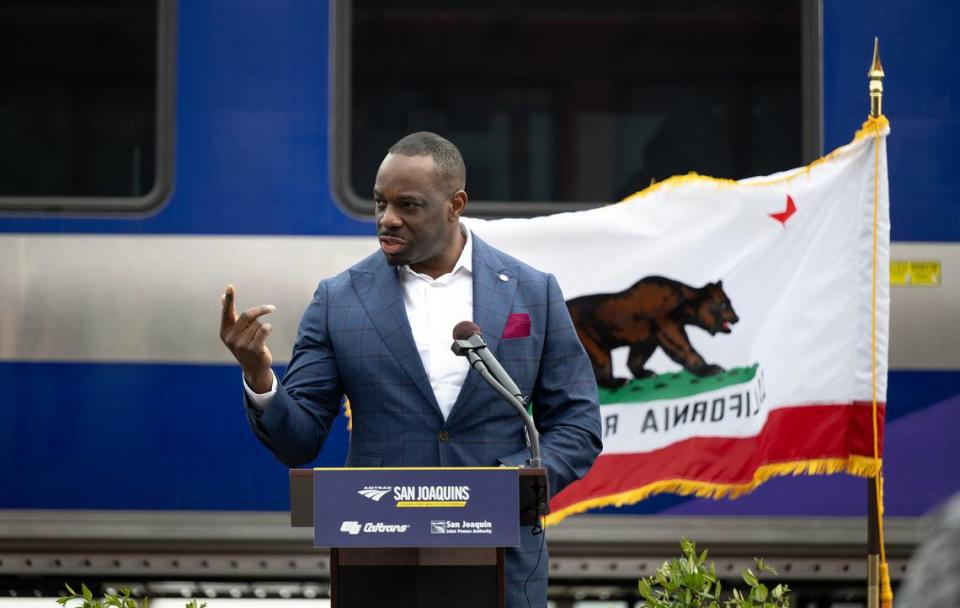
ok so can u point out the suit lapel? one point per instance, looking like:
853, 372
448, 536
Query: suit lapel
492, 302
380, 293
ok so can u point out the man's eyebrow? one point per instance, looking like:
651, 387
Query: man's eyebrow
401, 198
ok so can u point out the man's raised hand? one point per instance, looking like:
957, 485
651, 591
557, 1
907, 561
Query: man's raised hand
246, 337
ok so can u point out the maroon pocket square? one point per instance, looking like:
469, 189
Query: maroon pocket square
518, 326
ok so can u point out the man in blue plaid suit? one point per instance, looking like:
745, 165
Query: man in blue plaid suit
380, 333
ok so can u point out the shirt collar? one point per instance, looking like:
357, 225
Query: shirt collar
465, 261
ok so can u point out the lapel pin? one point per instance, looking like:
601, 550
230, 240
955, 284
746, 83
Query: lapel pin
504, 278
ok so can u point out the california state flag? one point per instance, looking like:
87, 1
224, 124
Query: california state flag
737, 329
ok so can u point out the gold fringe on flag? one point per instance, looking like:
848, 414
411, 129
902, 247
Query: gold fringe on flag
861, 466
872, 127
348, 413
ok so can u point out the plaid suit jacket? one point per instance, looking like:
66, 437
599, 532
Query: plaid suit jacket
355, 340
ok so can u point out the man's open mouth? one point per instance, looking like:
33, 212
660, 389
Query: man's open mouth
391, 245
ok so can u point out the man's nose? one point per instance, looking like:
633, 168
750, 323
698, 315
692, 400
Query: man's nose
390, 218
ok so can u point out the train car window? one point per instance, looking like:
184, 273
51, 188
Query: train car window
85, 105
559, 105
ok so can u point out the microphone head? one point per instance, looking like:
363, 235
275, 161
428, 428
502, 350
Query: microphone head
464, 329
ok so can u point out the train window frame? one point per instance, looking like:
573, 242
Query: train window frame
126, 206
341, 29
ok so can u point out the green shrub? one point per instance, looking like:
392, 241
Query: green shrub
121, 600
688, 582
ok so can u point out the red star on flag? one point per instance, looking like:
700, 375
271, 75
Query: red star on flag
783, 216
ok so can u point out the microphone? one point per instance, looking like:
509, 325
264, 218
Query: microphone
467, 342
467, 338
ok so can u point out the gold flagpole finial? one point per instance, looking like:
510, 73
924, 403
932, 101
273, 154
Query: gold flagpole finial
876, 81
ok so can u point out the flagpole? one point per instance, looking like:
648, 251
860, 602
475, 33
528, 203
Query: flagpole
878, 580
873, 545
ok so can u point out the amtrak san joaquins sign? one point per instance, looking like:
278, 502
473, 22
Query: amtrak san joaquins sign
468, 507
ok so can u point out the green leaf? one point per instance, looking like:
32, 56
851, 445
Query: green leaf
645, 589
87, 594
750, 578
761, 591
763, 566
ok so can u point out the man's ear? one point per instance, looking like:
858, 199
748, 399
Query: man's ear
458, 203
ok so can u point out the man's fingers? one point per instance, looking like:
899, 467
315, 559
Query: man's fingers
237, 331
247, 323
228, 303
260, 337
242, 333
252, 314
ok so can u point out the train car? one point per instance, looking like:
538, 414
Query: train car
152, 152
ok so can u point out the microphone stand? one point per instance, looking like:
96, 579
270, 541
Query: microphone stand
534, 499
468, 348
519, 405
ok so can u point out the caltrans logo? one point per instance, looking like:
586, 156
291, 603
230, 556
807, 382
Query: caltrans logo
350, 527
354, 527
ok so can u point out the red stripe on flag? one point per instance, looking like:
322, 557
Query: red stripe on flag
796, 433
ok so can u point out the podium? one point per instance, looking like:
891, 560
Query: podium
417, 537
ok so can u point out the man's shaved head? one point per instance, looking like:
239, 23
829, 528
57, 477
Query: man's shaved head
419, 197
446, 156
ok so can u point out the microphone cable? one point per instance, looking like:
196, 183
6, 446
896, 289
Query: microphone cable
537, 530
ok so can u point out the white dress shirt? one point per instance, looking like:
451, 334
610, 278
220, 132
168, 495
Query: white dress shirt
433, 307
